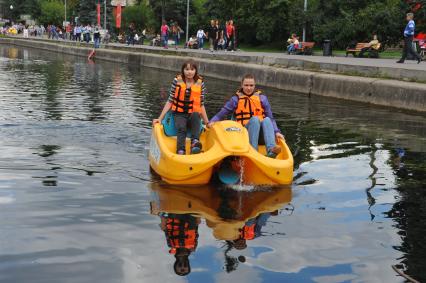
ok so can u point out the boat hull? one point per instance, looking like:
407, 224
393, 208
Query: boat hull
225, 140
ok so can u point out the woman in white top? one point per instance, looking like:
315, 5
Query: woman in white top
200, 37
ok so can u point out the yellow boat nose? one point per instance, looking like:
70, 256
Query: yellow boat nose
230, 134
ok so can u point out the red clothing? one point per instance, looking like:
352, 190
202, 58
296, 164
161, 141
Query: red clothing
230, 30
164, 29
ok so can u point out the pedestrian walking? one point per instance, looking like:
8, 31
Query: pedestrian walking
200, 38
230, 34
131, 32
212, 35
78, 33
97, 37
176, 31
408, 40
165, 35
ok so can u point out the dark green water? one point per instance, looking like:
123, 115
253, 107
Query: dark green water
78, 201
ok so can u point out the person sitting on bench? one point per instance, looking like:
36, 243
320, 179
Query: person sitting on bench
372, 45
293, 44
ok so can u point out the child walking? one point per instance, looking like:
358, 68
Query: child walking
186, 101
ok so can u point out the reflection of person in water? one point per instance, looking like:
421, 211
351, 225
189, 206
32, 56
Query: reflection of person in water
251, 230
401, 171
181, 232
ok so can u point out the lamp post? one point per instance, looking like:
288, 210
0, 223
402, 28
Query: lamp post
65, 15
11, 10
105, 12
305, 8
187, 20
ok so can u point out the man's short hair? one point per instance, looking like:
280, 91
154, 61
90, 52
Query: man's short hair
411, 15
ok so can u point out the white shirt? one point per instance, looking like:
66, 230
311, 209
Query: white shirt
200, 33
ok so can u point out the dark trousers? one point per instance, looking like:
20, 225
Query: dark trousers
230, 43
130, 40
408, 49
365, 49
213, 43
182, 121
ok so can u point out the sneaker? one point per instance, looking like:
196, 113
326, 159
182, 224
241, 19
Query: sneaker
274, 151
400, 61
195, 146
419, 60
181, 152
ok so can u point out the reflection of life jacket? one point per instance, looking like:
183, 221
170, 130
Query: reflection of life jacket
187, 101
248, 106
181, 233
248, 232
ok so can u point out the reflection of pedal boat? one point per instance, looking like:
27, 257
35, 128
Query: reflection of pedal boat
209, 204
224, 139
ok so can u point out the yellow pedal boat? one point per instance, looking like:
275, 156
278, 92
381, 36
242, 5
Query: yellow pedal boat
224, 139
225, 213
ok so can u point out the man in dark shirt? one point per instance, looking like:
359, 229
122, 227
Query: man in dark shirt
212, 33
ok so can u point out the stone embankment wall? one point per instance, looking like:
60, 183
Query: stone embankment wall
378, 91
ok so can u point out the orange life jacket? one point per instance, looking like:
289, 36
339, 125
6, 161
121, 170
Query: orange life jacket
248, 106
247, 232
187, 102
180, 234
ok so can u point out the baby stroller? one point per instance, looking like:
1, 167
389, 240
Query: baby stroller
422, 45
192, 43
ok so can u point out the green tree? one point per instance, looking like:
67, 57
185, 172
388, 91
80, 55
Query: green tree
72, 6
343, 21
419, 8
32, 7
198, 16
52, 12
171, 10
257, 21
86, 12
140, 15
263, 21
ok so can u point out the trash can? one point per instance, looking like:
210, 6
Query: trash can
326, 48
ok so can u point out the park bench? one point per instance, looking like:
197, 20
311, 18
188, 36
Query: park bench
373, 53
305, 48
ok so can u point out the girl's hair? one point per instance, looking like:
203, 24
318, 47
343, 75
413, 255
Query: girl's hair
192, 65
247, 76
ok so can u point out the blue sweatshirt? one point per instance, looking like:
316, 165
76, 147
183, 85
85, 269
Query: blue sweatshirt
232, 104
409, 29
